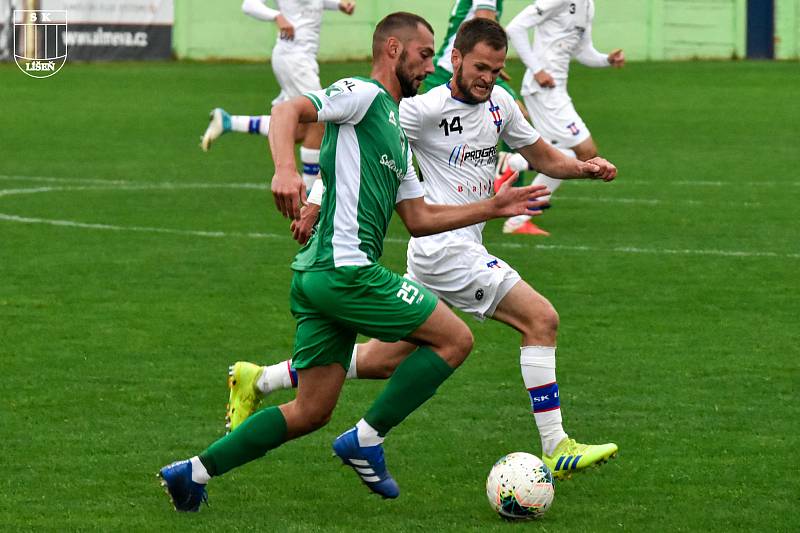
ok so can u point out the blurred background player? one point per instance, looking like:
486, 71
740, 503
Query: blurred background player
294, 62
563, 31
455, 265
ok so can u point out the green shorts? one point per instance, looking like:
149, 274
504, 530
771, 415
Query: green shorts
440, 76
333, 306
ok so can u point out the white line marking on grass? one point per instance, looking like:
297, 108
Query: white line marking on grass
145, 229
667, 251
621, 181
128, 186
707, 183
95, 184
48, 179
392, 240
9, 192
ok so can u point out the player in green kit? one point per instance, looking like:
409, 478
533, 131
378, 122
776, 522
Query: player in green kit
462, 11
339, 289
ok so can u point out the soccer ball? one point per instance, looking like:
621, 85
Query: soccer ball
520, 486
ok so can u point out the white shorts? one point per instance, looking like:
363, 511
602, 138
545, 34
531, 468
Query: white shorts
464, 275
296, 74
555, 118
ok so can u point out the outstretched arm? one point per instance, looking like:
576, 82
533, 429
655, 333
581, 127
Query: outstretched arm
422, 218
588, 55
546, 159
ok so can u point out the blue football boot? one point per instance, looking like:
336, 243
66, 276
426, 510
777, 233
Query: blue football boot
368, 463
186, 495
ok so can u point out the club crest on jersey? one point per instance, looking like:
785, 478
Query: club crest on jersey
573, 129
494, 109
40, 41
479, 157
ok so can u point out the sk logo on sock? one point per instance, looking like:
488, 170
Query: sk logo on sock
40, 41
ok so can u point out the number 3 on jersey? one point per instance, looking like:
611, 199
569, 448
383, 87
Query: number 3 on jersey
454, 125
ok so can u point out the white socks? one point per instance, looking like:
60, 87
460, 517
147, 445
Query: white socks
283, 376
277, 377
542, 179
552, 183
538, 367
310, 159
248, 124
352, 372
367, 435
199, 472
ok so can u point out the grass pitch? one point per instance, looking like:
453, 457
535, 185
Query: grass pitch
135, 268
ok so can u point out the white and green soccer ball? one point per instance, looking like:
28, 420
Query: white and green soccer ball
520, 487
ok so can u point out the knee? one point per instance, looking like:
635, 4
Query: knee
311, 419
549, 319
385, 370
460, 346
543, 322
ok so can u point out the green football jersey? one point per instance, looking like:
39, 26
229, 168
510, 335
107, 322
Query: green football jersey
365, 164
463, 10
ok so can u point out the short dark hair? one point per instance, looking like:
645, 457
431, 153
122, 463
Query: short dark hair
394, 23
480, 30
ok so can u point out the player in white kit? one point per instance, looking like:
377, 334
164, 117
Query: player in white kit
453, 130
294, 62
563, 30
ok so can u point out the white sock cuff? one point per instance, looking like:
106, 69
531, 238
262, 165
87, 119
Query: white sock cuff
538, 356
367, 435
517, 162
309, 155
263, 127
199, 472
352, 372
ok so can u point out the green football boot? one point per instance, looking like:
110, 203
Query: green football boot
244, 397
570, 456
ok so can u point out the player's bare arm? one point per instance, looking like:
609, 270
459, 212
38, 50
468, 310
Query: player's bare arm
422, 218
546, 159
508, 199
287, 187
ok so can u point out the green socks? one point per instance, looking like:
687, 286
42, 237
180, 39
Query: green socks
411, 385
261, 432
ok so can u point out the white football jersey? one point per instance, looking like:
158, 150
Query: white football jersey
563, 30
455, 144
306, 17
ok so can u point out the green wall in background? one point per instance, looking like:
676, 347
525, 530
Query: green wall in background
645, 29
787, 29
